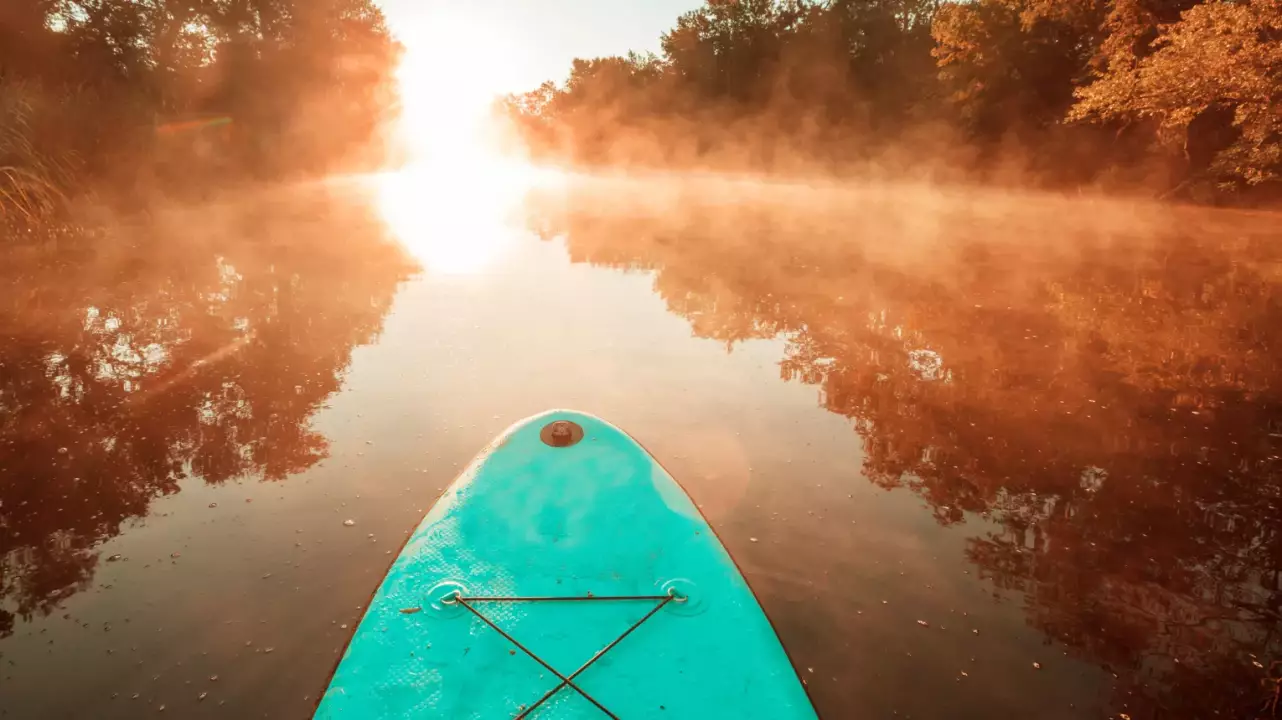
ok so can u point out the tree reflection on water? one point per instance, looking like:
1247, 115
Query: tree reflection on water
1103, 386
195, 348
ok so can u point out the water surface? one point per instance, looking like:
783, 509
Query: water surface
980, 454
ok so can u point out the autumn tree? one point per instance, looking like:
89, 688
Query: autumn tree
1212, 84
115, 95
1012, 65
1065, 92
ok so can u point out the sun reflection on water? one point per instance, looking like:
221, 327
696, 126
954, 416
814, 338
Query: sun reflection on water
455, 218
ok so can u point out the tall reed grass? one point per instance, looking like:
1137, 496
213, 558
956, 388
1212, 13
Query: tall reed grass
36, 169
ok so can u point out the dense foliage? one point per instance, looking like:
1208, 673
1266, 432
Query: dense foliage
1164, 94
127, 96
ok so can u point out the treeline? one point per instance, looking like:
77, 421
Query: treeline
128, 97
1177, 97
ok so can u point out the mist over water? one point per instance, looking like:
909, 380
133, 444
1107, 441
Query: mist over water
1044, 427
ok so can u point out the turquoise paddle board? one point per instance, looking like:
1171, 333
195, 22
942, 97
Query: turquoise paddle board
565, 574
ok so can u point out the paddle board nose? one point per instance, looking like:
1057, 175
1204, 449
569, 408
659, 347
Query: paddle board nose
565, 574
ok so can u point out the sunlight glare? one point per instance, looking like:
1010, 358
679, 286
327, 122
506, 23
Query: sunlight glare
452, 71
452, 205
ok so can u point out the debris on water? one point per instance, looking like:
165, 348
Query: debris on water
923, 623
268, 650
343, 626
410, 610
753, 539
213, 505
115, 557
175, 555
349, 523
213, 678
267, 575
964, 674
975, 632
1037, 666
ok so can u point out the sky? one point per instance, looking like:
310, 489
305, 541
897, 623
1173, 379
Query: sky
502, 46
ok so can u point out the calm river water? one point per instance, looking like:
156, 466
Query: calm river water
980, 455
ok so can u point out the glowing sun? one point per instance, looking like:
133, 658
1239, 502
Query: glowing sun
451, 206
452, 71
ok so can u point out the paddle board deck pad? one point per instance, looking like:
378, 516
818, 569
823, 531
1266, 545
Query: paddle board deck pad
565, 574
